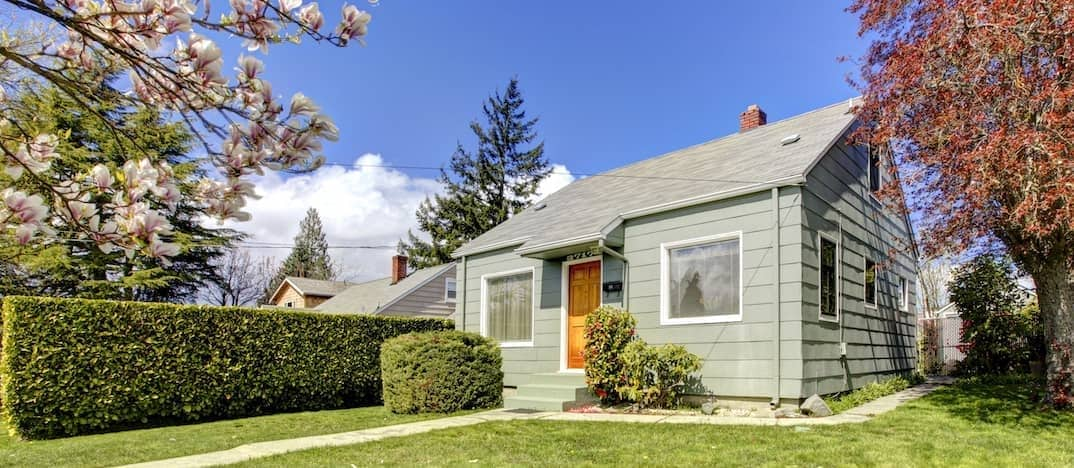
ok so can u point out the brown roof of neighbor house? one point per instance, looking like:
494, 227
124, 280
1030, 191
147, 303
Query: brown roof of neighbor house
313, 287
371, 296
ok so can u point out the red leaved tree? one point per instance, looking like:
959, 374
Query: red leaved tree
976, 100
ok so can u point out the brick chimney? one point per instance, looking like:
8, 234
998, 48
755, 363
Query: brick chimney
398, 268
753, 117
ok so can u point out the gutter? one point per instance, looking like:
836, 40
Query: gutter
779, 312
626, 271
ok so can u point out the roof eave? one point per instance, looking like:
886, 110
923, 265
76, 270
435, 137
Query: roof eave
655, 209
462, 252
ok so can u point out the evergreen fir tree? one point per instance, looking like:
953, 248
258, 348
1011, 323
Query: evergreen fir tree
485, 186
72, 267
309, 257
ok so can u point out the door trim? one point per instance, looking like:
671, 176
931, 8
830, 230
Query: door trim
564, 303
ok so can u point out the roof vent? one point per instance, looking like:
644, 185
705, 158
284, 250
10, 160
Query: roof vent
790, 139
540, 206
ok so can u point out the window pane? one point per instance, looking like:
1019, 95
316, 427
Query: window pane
704, 280
870, 282
903, 296
509, 304
449, 289
828, 296
874, 169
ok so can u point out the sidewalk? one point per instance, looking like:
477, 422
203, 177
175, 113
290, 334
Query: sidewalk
264, 449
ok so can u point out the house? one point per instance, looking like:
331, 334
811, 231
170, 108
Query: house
687, 242
428, 292
305, 293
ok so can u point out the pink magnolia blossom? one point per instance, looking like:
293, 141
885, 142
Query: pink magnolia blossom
354, 24
171, 66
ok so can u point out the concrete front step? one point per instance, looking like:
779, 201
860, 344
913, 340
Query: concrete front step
562, 392
551, 392
558, 378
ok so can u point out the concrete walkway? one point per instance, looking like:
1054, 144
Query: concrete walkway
264, 449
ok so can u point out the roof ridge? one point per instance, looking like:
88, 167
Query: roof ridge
728, 136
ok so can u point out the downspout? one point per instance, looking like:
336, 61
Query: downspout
462, 297
626, 271
779, 313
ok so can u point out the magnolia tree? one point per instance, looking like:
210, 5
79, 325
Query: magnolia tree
976, 100
154, 53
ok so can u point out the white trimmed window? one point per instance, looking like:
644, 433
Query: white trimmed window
876, 181
870, 283
450, 292
829, 278
904, 294
507, 301
701, 280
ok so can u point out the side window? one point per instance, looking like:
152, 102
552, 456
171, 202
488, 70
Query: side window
829, 279
875, 162
870, 283
449, 290
904, 294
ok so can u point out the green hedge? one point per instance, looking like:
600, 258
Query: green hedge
440, 372
75, 366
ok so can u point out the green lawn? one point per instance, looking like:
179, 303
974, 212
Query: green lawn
966, 425
167, 442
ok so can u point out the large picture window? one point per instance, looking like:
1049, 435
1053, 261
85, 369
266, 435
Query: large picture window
507, 306
829, 279
870, 283
702, 280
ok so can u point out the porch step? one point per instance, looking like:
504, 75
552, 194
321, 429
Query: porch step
561, 392
551, 392
557, 378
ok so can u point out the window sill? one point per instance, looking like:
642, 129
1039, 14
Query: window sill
825, 318
664, 321
871, 306
516, 344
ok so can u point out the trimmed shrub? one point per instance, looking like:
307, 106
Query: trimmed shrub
656, 375
75, 366
608, 330
441, 372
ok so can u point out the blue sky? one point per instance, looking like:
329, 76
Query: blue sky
611, 82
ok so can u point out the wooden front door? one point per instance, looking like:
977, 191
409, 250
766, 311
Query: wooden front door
583, 297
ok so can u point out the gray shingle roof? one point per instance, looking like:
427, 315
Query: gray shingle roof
366, 298
314, 287
586, 209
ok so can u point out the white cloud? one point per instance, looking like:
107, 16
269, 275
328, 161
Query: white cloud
359, 205
560, 177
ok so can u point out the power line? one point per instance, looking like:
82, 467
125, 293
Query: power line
567, 173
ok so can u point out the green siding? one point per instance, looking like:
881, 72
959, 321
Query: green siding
739, 357
880, 341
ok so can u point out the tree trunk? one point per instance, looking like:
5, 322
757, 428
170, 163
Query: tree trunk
1055, 295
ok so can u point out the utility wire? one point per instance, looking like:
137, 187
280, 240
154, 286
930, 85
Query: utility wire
603, 174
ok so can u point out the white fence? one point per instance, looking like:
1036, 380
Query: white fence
942, 336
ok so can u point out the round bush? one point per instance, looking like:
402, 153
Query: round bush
441, 372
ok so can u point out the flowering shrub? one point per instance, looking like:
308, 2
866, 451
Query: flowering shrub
655, 376
162, 50
608, 330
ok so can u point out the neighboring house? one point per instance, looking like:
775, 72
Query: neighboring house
686, 242
429, 292
305, 293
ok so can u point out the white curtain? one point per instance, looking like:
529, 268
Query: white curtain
510, 307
